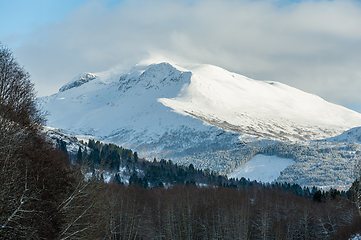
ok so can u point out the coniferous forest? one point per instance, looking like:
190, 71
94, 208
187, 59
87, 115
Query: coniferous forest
46, 193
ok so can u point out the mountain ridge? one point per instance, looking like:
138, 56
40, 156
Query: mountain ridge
152, 102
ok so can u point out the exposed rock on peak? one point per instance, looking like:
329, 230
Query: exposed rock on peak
78, 81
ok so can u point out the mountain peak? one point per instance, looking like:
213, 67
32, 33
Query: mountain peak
78, 81
154, 76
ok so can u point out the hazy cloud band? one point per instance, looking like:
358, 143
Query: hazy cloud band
311, 45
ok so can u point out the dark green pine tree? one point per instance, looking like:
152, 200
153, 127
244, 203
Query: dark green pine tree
135, 156
79, 156
318, 196
145, 182
62, 145
117, 179
91, 144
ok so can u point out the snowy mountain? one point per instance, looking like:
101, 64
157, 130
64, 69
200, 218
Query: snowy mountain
165, 109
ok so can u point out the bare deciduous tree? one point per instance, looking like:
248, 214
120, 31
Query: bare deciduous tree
17, 93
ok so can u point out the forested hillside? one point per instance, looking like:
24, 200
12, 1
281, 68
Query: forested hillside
318, 164
171, 201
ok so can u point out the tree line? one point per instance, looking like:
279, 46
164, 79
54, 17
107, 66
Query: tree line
274, 211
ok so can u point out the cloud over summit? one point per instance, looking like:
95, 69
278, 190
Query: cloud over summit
311, 45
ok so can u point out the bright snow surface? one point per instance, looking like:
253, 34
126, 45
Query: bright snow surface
156, 105
262, 168
268, 109
352, 135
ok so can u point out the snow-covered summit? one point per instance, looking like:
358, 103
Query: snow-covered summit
78, 81
154, 76
166, 107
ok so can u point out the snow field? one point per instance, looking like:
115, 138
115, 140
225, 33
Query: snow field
262, 168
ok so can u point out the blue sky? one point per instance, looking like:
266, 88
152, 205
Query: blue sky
20, 17
23, 16
307, 44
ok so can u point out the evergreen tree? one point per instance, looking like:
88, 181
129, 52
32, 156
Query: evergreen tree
79, 156
145, 182
135, 156
62, 145
318, 196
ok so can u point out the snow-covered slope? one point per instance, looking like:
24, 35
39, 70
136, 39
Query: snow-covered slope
266, 109
352, 135
163, 108
262, 168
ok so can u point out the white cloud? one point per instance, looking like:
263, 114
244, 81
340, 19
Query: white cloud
312, 45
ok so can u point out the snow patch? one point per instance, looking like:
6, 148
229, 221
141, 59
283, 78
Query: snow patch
262, 168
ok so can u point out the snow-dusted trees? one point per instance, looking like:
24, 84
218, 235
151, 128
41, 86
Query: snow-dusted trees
33, 178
